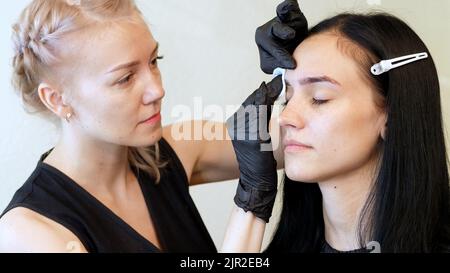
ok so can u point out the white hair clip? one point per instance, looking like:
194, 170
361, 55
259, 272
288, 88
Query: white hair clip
386, 65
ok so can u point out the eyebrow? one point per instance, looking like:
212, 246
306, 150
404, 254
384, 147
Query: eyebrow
311, 80
320, 79
133, 63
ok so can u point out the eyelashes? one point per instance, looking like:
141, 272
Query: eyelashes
318, 102
313, 102
125, 80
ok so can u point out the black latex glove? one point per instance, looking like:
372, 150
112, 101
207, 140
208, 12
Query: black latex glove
278, 38
257, 187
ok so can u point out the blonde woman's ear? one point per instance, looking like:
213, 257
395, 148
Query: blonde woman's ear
53, 100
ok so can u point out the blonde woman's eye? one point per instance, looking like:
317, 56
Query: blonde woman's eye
125, 80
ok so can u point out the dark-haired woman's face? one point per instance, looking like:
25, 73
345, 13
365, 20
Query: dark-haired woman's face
331, 124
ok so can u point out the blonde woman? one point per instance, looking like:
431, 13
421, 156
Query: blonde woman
116, 181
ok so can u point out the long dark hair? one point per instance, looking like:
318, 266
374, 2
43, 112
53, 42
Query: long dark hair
408, 207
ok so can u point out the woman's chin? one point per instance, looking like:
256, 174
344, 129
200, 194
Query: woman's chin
148, 139
300, 175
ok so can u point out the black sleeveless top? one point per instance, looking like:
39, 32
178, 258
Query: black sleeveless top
326, 248
177, 222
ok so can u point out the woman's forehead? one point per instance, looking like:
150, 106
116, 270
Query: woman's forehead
320, 55
110, 45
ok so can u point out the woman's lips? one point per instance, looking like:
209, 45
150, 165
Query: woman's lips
295, 146
153, 119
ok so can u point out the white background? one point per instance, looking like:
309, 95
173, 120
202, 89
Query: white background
210, 53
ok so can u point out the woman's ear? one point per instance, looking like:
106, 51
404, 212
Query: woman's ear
52, 98
383, 132
382, 123
384, 128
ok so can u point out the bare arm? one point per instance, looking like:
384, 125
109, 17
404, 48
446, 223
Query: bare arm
207, 160
24, 231
245, 232
204, 158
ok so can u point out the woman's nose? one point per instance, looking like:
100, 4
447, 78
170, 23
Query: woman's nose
154, 90
291, 117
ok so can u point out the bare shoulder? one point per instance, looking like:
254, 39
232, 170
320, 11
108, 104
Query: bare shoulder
180, 137
204, 149
23, 230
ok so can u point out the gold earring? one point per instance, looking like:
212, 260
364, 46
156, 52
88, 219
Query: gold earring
68, 116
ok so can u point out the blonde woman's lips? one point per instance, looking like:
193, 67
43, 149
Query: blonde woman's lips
153, 119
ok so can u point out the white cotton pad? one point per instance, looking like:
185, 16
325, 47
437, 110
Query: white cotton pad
280, 71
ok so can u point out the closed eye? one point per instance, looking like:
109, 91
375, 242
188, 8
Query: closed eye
318, 102
314, 102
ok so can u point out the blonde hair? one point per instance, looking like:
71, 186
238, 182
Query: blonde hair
37, 39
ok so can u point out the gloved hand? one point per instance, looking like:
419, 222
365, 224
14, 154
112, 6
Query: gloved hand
249, 130
278, 38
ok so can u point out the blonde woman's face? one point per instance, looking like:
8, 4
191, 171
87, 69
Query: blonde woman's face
331, 110
116, 87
